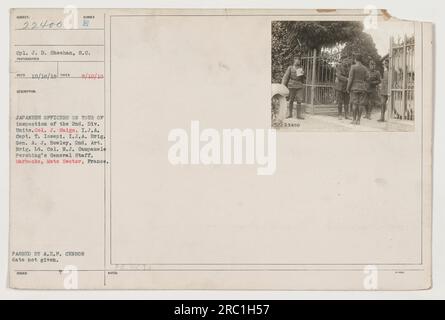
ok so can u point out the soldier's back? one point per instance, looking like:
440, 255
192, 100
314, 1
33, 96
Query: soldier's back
360, 77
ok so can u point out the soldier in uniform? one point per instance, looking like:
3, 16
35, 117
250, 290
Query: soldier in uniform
384, 90
293, 79
373, 94
357, 86
341, 81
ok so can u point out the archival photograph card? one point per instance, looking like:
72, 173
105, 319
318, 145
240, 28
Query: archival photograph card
220, 149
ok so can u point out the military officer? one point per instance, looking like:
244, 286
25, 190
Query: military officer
384, 92
373, 83
357, 86
341, 81
293, 79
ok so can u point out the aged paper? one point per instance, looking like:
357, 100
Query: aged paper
220, 149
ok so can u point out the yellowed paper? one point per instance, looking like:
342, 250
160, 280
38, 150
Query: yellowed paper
157, 149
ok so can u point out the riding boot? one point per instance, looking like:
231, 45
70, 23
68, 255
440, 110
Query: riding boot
382, 116
299, 112
289, 109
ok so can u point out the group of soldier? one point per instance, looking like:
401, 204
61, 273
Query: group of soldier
359, 89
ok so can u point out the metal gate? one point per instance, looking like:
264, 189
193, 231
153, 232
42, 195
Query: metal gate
319, 68
401, 78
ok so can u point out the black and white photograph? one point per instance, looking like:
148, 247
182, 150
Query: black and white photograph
343, 76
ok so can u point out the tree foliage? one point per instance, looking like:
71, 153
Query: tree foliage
291, 38
315, 35
364, 45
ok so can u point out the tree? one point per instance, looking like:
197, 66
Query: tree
315, 35
364, 45
291, 38
282, 50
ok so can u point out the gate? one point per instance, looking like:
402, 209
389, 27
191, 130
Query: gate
319, 68
401, 79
